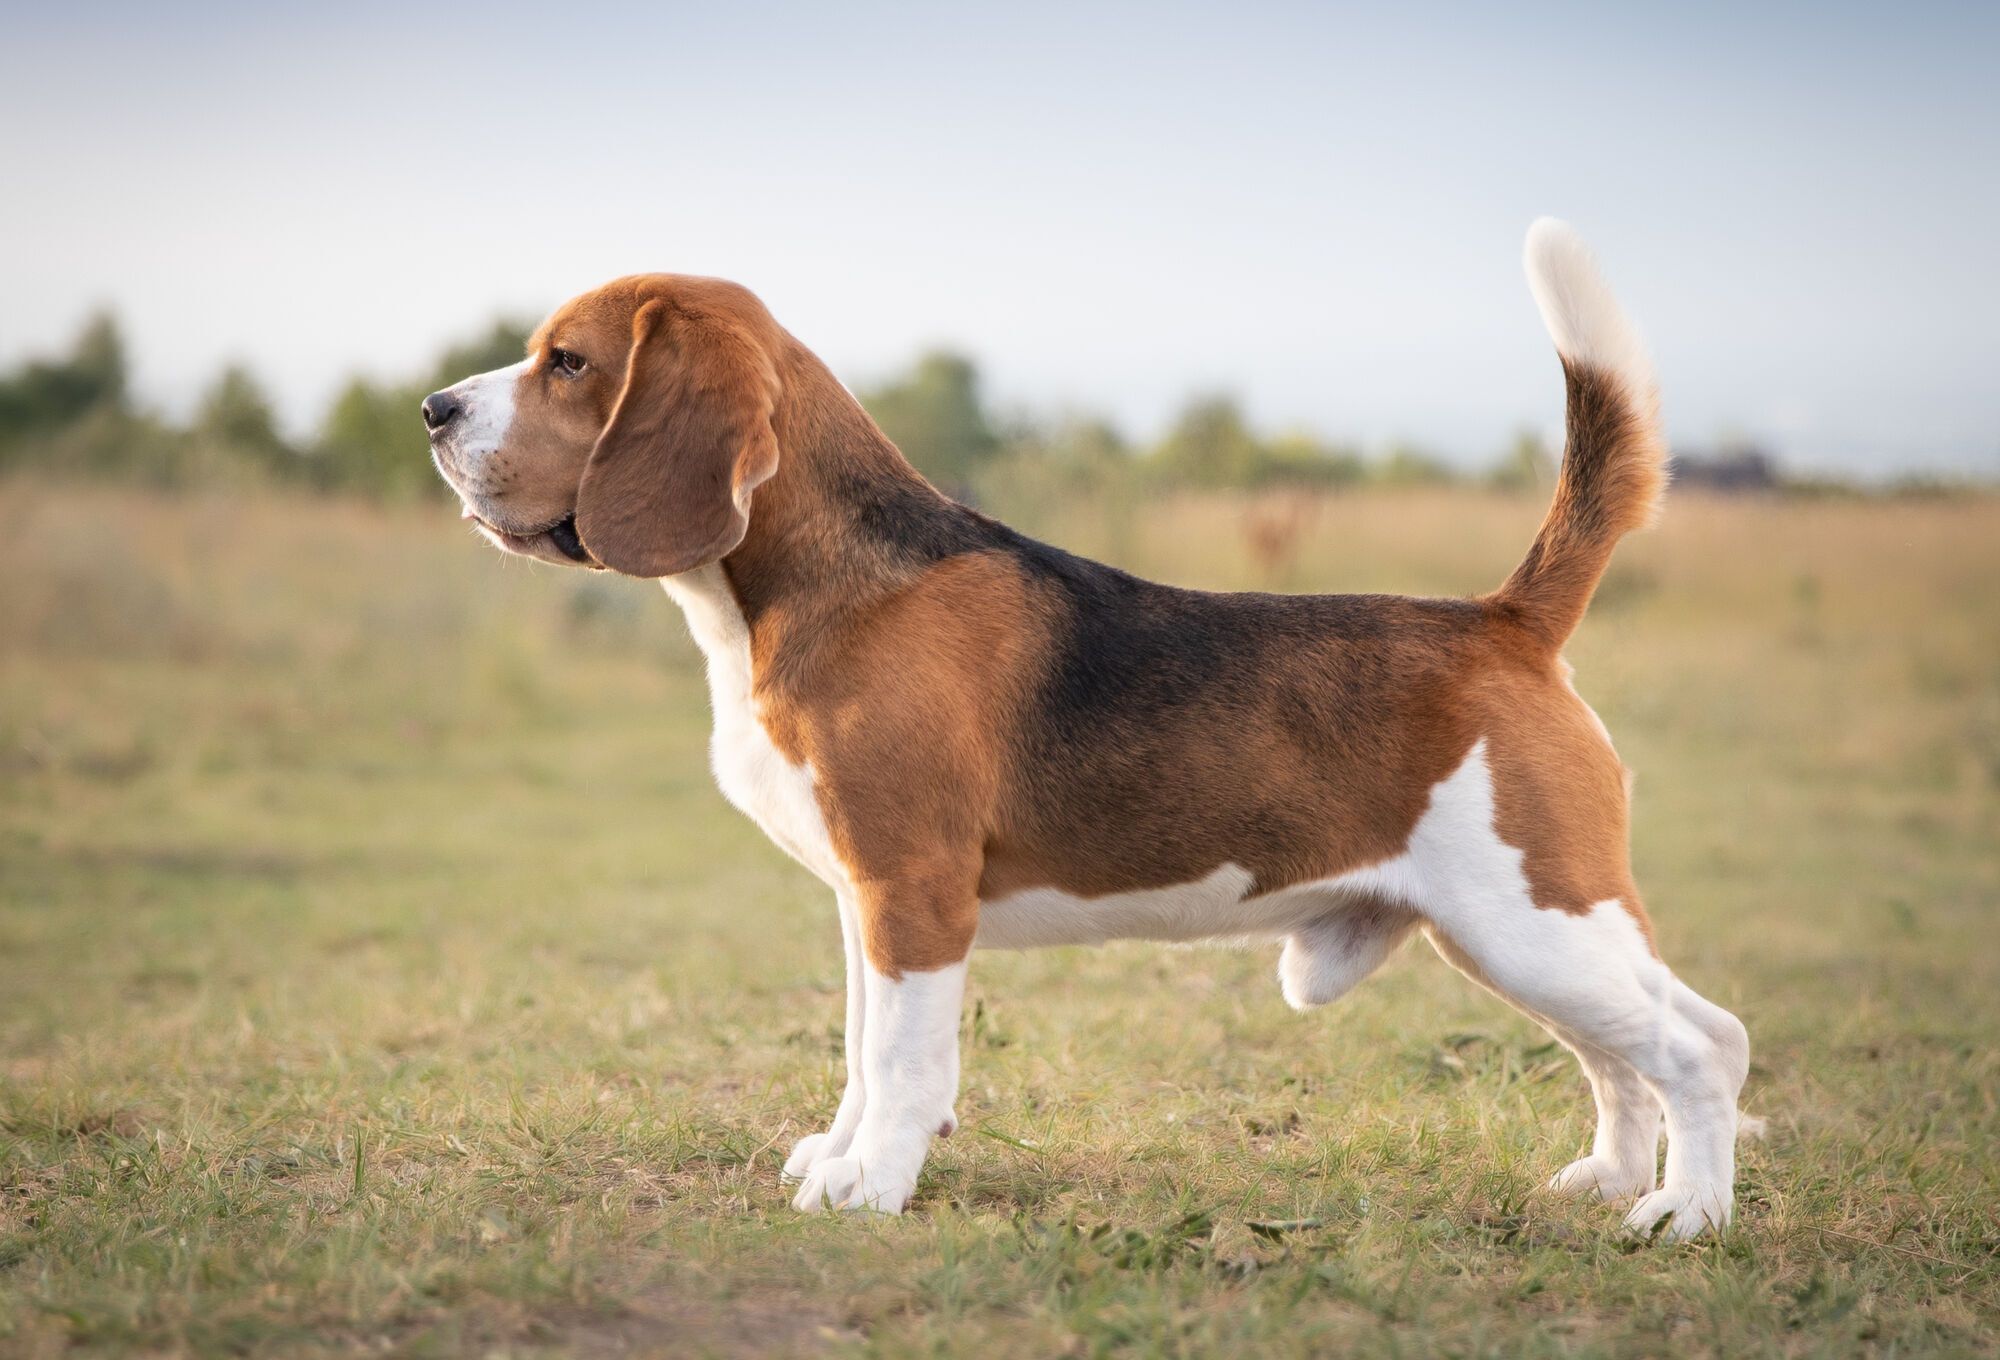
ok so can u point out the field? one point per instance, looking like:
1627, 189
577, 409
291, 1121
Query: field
380, 971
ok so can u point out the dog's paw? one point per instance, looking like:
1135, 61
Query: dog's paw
841, 1183
808, 1153
1678, 1212
1602, 1177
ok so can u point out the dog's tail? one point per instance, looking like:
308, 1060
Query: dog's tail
1614, 462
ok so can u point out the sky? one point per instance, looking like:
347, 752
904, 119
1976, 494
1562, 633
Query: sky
1316, 208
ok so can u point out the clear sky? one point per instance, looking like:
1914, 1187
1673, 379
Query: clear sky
1318, 208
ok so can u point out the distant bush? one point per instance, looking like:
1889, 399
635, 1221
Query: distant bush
235, 415
74, 416
1302, 459
47, 396
1212, 445
1527, 465
1040, 466
1408, 466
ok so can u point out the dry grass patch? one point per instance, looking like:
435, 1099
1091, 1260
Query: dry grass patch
379, 970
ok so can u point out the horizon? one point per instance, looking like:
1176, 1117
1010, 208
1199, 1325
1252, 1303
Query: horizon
1165, 213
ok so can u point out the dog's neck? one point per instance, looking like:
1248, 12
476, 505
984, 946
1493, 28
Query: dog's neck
841, 524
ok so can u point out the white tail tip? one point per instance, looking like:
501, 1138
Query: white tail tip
1577, 305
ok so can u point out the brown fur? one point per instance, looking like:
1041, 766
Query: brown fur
701, 384
1614, 469
985, 714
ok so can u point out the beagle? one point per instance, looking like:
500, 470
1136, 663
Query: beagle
976, 739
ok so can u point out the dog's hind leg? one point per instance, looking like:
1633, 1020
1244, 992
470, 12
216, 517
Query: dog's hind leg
1624, 1158
1591, 975
1328, 958
1594, 982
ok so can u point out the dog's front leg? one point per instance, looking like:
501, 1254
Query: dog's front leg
909, 1078
815, 1148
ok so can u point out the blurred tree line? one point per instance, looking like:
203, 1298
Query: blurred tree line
76, 414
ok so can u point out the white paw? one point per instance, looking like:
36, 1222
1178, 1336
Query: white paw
1602, 1177
809, 1152
840, 1183
1687, 1210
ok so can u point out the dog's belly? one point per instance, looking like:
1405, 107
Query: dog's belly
1215, 907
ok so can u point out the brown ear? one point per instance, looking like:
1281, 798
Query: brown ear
668, 485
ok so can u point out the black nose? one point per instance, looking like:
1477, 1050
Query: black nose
440, 409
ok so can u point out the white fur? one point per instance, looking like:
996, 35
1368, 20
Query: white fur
909, 1061
1329, 958
1335, 936
1214, 907
1577, 305
486, 405
754, 775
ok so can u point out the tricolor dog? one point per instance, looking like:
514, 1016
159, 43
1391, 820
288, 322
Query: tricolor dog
976, 739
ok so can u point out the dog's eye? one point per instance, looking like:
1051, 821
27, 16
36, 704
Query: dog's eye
566, 362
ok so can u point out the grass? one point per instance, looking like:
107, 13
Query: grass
380, 971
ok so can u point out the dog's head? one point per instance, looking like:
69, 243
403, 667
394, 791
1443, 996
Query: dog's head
631, 437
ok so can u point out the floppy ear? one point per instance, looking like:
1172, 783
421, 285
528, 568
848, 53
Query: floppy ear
668, 485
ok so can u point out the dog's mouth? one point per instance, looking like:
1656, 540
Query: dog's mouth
562, 536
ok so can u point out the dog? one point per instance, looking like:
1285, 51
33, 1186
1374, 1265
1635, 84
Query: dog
976, 739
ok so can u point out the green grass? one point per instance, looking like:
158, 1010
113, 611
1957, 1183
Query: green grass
379, 970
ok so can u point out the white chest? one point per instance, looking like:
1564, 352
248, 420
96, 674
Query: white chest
754, 774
